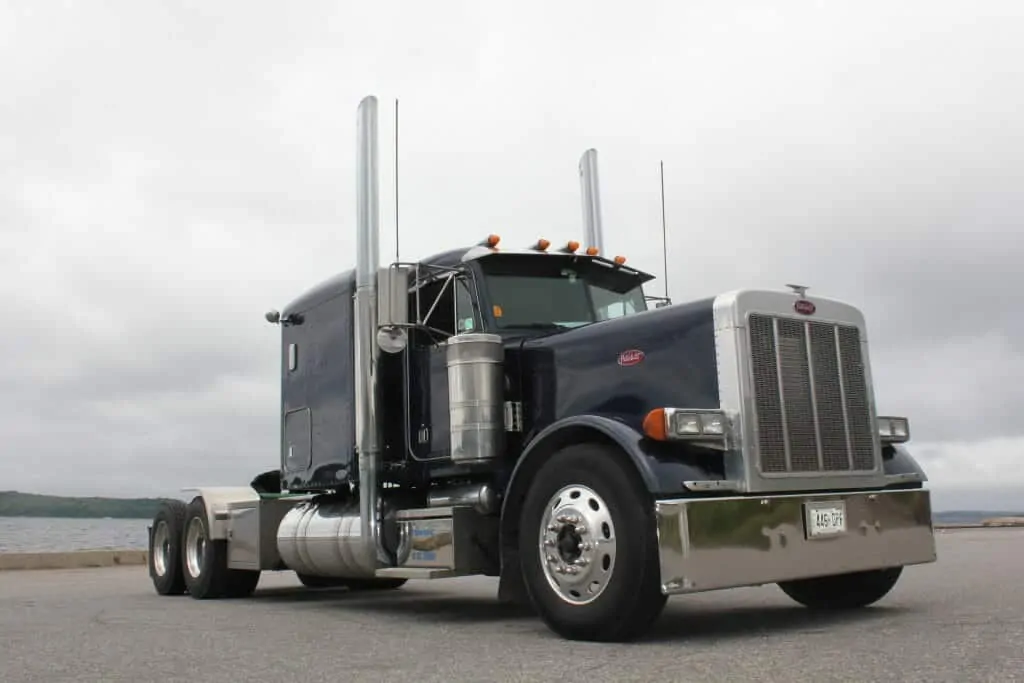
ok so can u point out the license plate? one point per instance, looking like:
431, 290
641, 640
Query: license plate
826, 519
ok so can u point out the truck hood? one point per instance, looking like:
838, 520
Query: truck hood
622, 368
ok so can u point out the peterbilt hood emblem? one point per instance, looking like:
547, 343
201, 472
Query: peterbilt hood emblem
631, 357
802, 305
805, 307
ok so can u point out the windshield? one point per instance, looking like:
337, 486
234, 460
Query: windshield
567, 296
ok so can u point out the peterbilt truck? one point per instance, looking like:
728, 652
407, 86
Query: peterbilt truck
527, 414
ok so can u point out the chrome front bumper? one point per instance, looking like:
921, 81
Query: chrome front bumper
712, 543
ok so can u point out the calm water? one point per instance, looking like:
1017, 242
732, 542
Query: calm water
32, 534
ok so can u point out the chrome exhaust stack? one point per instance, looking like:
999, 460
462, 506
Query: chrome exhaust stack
593, 230
366, 353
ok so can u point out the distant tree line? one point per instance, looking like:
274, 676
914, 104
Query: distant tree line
16, 504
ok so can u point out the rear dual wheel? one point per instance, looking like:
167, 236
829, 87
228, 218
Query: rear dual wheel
205, 560
588, 544
165, 569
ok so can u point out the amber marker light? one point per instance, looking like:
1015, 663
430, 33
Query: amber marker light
492, 241
655, 423
542, 244
592, 251
620, 260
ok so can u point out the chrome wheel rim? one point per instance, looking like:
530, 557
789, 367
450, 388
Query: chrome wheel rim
577, 544
195, 547
161, 549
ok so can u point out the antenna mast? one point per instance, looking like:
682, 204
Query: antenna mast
664, 238
396, 179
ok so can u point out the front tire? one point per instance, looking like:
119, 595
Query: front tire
843, 591
165, 568
205, 561
588, 543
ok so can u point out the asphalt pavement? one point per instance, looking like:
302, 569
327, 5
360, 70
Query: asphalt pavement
961, 619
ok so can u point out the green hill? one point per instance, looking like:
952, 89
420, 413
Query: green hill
16, 504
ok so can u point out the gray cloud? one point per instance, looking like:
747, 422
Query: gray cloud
171, 173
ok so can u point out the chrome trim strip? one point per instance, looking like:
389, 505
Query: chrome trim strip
786, 445
711, 485
842, 396
814, 393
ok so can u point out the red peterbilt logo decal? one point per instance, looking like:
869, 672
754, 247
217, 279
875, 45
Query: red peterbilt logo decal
631, 357
805, 307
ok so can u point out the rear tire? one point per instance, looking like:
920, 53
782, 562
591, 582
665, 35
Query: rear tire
205, 561
589, 548
843, 591
165, 568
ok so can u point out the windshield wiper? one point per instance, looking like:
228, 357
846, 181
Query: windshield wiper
536, 326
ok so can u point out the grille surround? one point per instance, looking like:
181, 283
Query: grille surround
815, 417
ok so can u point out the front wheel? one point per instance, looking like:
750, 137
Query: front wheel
843, 591
589, 547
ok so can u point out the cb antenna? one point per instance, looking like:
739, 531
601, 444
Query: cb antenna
664, 231
396, 179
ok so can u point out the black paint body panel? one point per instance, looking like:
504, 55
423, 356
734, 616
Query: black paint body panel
318, 397
578, 372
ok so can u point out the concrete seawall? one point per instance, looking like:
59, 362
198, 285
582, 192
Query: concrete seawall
80, 559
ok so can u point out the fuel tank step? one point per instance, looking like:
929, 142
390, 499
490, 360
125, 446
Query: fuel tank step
448, 541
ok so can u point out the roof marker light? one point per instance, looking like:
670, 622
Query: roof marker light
542, 244
620, 260
592, 251
571, 246
491, 241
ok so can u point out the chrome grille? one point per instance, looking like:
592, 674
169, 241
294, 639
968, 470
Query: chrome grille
810, 397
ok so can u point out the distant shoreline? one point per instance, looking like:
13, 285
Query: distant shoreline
40, 506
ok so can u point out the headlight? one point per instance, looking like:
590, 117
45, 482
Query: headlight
664, 424
893, 429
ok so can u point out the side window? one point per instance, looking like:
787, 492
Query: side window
437, 309
466, 319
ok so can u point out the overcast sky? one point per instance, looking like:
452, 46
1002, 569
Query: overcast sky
170, 171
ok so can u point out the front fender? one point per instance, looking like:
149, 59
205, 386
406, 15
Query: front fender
900, 466
662, 467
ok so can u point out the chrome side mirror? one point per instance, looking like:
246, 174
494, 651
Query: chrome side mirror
393, 308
